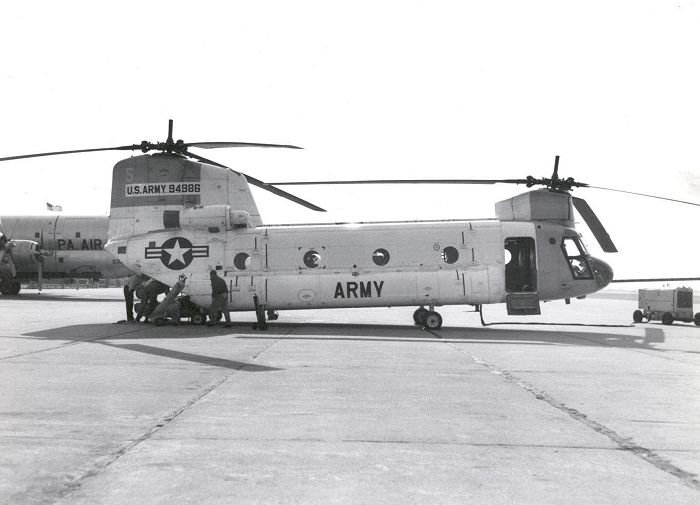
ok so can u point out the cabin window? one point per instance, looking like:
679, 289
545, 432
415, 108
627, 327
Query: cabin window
575, 253
77, 234
685, 300
241, 261
312, 259
37, 234
450, 255
380, 257
121, 249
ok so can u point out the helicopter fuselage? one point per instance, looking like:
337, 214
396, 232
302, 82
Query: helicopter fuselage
370, 264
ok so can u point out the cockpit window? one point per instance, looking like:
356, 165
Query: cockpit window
576, 253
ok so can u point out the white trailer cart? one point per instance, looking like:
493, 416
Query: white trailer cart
666, 305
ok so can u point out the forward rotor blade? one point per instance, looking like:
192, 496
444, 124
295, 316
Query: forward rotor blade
216, 145
594, 224
403, 181
261, 184
658, 279
38, 155
649, 196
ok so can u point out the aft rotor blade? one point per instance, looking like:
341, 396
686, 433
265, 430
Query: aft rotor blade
38, 155
404, 181
216, 145
647, 195
261, 184
658, 279
594, 225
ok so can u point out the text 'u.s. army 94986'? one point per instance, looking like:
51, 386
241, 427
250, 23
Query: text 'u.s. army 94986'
175, 212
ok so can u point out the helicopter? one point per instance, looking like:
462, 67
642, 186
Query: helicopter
175, 213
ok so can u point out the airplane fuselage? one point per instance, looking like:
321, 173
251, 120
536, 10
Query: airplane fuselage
74, 247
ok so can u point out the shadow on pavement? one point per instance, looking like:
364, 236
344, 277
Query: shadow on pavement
101, 333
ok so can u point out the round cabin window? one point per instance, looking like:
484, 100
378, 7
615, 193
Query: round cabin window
312, 259
450, 254
241, 261
380, 257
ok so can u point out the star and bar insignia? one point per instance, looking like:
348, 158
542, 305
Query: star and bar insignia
177, 253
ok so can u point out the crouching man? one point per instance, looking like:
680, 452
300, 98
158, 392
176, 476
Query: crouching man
219, 300
169, 308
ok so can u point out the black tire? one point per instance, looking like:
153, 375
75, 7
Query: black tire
667, 318
139, 292
696, 319
160, 321
637, 316
198, 318
10, 287
433, 320
419, 316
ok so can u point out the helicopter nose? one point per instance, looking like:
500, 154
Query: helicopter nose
602, 272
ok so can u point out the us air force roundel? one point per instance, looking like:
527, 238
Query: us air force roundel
177, 253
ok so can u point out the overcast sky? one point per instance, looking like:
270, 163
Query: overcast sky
371, 90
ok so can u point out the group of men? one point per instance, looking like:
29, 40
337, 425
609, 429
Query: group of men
169, 308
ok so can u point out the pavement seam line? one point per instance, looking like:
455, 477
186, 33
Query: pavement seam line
624, 444
115, 456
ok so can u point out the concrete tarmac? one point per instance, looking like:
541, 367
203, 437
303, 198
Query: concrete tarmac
346, 406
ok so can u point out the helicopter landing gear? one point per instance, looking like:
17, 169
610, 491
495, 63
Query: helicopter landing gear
419, 316
427, 318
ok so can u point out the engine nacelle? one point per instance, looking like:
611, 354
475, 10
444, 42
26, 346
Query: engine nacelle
207, 217
24, 252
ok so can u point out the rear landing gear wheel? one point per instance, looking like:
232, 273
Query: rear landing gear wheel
433, 320
419, 316
667, 318
637, 316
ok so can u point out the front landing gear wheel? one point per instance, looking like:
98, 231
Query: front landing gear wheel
419, 316
10, 287
433, 320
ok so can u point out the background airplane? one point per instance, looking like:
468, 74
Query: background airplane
35, 248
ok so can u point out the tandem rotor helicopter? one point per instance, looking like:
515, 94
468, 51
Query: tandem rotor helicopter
175, 212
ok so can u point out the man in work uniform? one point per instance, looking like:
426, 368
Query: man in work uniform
149, 302
129, 288
219, 300
169, 308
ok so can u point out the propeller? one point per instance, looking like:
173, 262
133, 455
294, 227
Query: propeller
180, 148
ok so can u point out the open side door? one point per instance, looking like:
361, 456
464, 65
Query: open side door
521, 276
